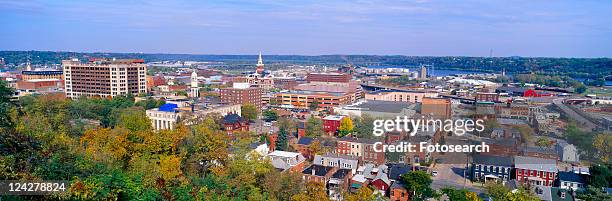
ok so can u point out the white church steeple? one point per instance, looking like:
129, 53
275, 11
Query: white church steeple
195, 89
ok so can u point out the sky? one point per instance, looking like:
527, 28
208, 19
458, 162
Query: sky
540, 28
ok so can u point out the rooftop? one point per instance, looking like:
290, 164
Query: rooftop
305, 140
571, 176
333, 117
492, 160
381, 106
317, 170
232, 118
533, 163
284, 154
168, 107
341, 173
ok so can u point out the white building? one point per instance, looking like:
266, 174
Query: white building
164, 117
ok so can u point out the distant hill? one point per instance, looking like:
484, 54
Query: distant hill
574, 67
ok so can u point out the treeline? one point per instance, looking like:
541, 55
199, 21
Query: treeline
594, 68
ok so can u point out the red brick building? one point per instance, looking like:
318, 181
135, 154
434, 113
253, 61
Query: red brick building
332, 123
242, 95
398, 192
40, 84
234, 123
318, 173
328, 77
371, 156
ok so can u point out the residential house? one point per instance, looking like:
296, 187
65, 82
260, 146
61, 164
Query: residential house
361, 148
339, 183
303, 146
381, 182
571, 180
284, 160
535, 171
235, 123
486, 168
338, 161
397, 192
318, 173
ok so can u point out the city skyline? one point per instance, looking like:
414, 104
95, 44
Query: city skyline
413, 28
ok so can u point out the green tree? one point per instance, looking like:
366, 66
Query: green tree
314, 105
314, 191
209, 146
581, 89
496, 191
543, 142
286, 123
5, 106
282, 185
593, 193
525, 131
364, 127
460, 195
249, 111
600, 176
365, 193
314, 127
281, 141
602, 144
270, 115
150, 103
522, 194
418, 183
134, 119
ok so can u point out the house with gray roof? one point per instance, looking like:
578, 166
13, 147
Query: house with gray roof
336, 160
284, 160
485, 168
535, 171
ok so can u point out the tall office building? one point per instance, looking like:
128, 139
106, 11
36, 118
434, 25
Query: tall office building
104, 77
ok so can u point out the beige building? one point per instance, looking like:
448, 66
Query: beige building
400, 96
104, 77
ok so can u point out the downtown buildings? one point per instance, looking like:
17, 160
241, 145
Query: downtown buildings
104, 77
